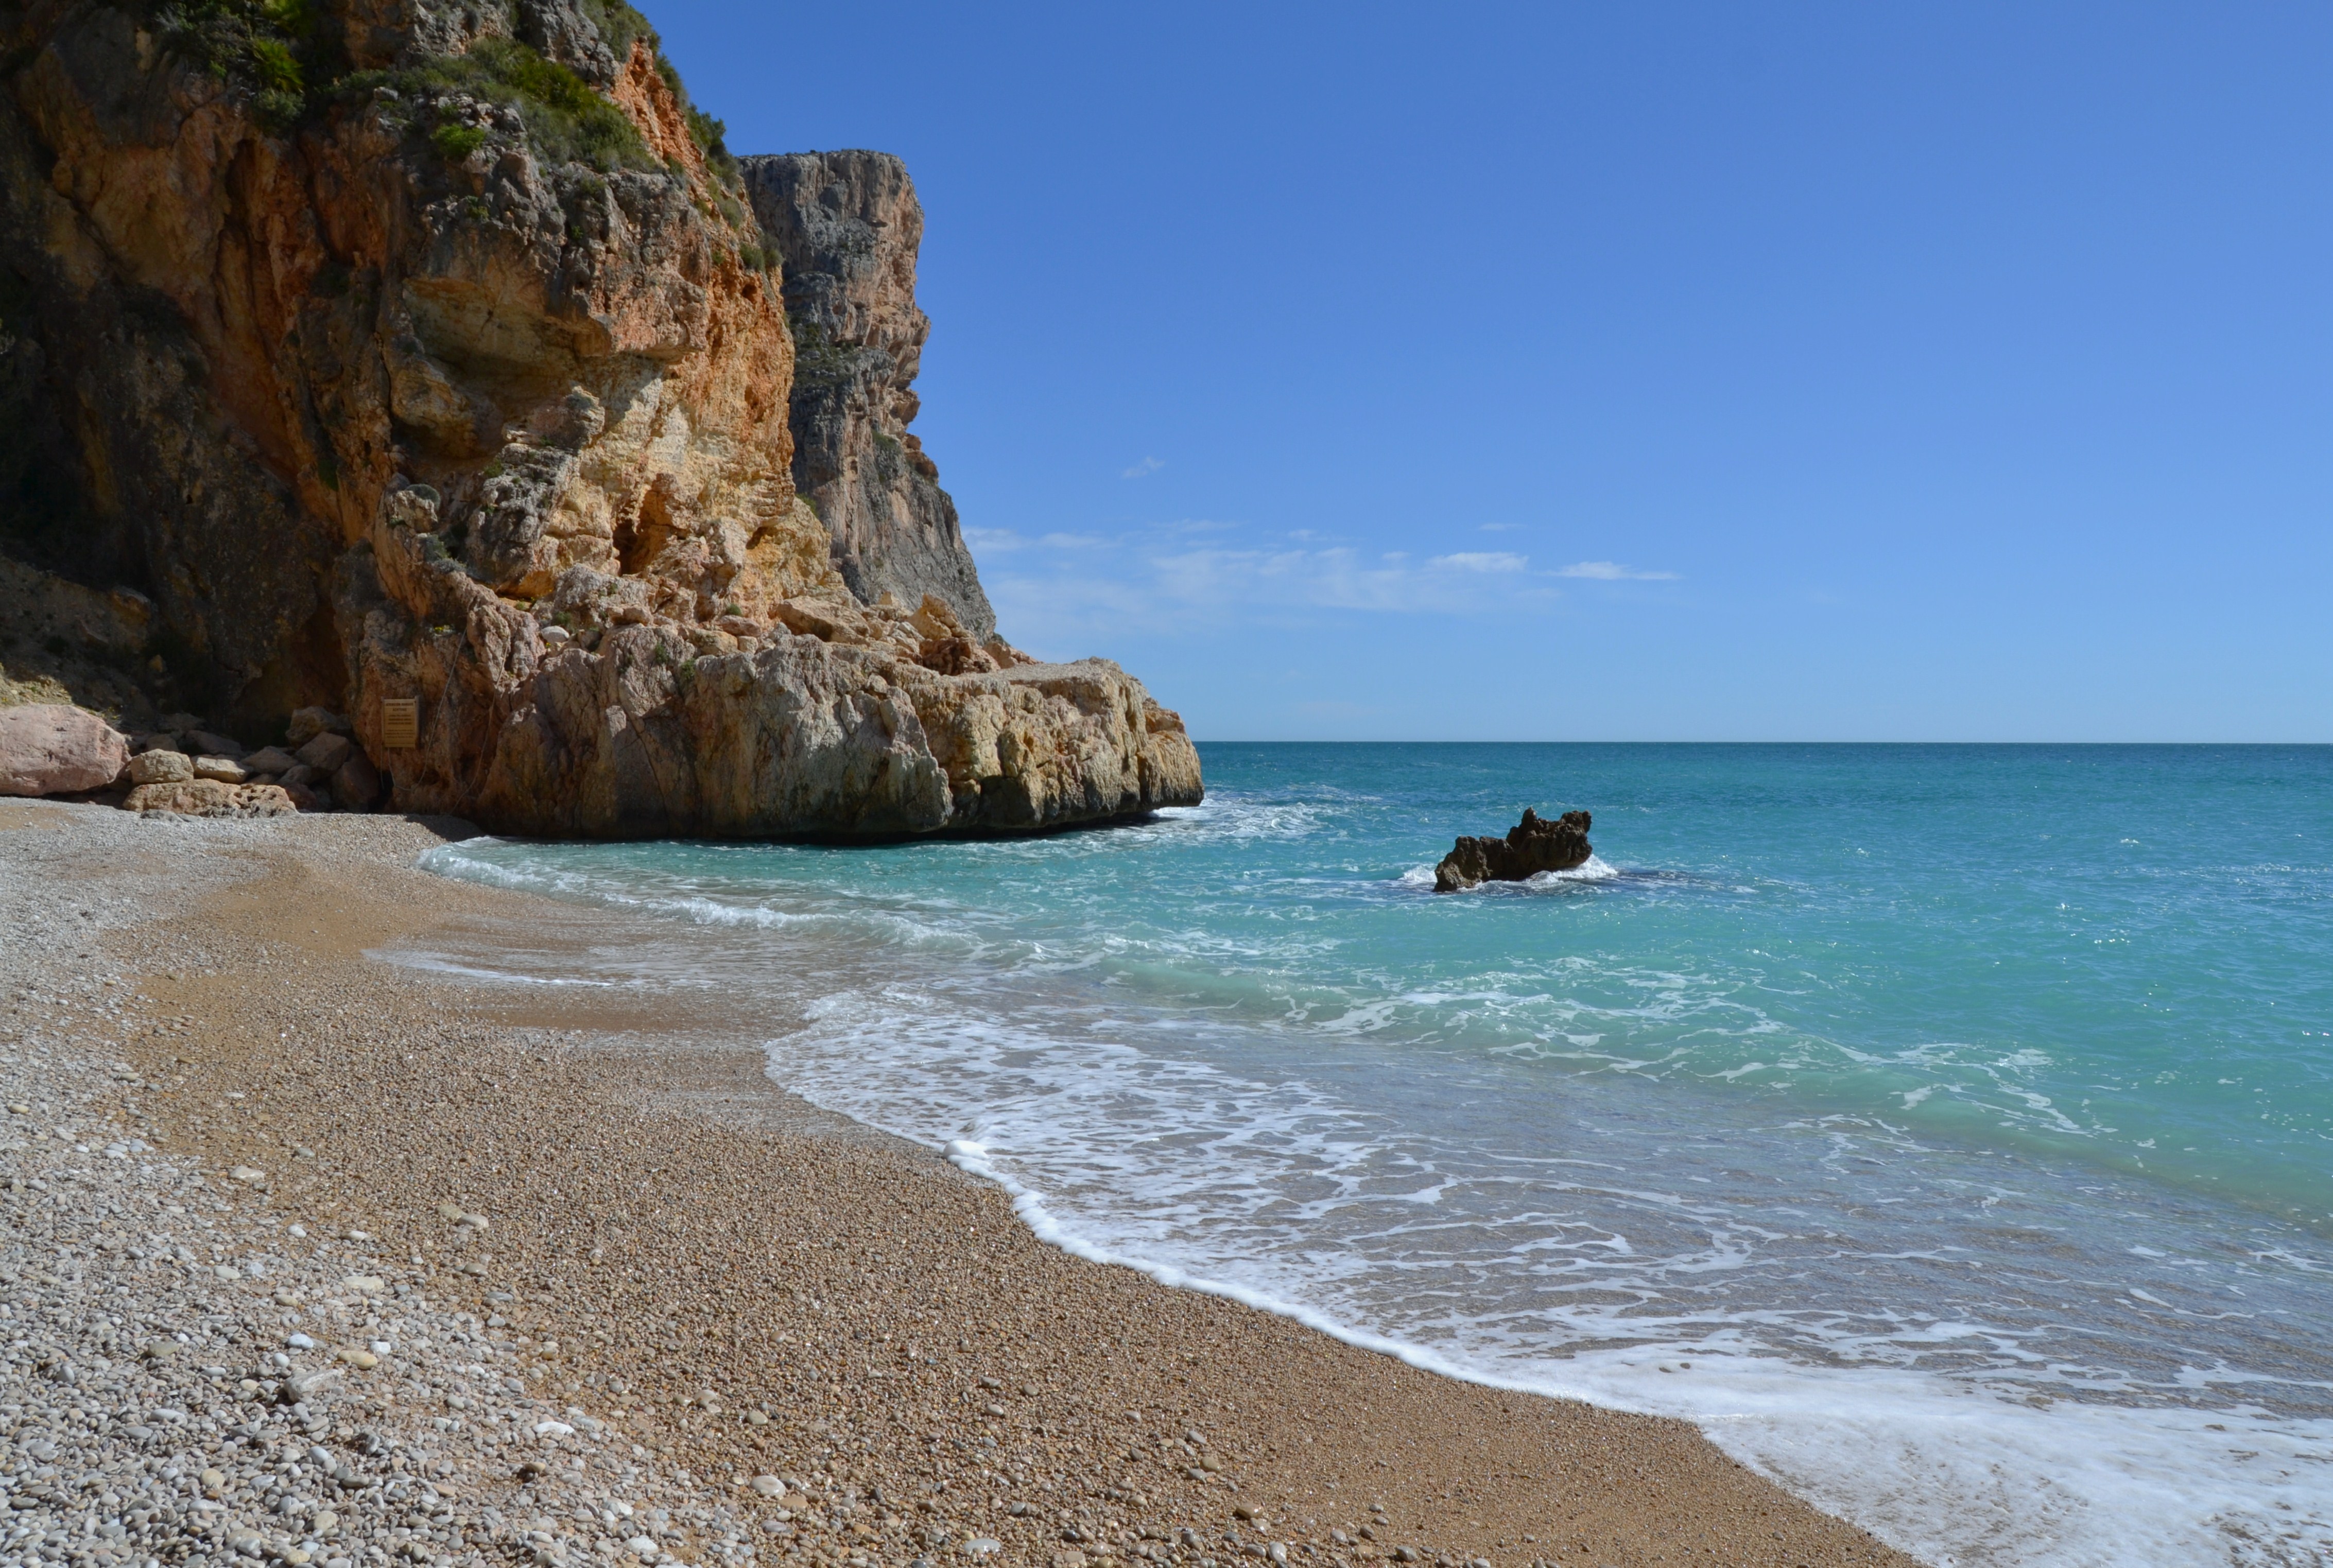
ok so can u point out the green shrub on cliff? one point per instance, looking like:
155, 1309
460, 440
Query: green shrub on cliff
269, 49
566, 119
276, 65
820, 362
618, 25
456, 142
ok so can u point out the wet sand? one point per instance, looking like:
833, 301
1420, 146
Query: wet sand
751, 1287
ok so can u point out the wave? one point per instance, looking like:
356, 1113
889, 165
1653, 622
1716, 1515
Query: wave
1594, 869
1743, 1146
1955, 1470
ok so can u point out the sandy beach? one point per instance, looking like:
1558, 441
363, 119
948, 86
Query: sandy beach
584, 1285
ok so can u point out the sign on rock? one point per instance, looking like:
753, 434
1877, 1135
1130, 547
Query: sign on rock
401, 723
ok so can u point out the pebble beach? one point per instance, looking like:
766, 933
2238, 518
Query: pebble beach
317, 1259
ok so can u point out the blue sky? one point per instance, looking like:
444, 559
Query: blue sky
1816, 372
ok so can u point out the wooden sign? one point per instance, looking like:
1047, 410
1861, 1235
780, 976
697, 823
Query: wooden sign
401, 722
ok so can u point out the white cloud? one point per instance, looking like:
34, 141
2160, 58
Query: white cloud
1613, 572
1068, 594
1143, 469
998, 540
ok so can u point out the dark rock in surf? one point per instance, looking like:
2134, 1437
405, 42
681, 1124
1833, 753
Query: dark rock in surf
1531, 846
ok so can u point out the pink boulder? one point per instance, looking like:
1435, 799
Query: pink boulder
50, 749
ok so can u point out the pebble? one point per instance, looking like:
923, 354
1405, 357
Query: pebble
147, 1418
458, 1447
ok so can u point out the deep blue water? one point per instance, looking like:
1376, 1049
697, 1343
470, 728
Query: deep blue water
1948, 1129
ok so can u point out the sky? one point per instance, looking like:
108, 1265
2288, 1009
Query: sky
1818, 372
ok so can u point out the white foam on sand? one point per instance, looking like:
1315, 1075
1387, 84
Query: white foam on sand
1244, 1167
1182, 1170
1952, 1474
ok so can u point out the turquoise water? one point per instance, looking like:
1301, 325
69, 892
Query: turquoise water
1949, 1130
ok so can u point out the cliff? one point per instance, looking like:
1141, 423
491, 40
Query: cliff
367, 352
847, 226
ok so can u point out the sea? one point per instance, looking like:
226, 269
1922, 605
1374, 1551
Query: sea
1947, 1131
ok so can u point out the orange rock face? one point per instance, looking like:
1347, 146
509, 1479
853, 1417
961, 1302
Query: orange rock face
465, 380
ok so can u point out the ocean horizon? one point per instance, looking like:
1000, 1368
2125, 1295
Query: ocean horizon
1947, 1128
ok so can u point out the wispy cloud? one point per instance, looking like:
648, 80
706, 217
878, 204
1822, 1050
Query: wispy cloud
1490, 560
1143, 469
1498, 527
998, 540
1064, 593
1613, 572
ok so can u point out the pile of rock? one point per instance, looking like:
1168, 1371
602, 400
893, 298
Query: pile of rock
186, 768
193, 769
1531, 846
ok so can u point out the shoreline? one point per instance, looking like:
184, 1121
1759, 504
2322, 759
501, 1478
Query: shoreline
869, 1323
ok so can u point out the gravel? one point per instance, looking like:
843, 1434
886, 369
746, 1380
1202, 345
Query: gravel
316, 1259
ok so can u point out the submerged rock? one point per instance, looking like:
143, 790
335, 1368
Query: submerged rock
1531, 846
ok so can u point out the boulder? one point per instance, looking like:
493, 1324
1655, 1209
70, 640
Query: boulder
159, 740
209, 798
265, 800
226, 769
161, 767
355, 785
326, 751
1532, 845
307, 723
55, 748
205, 742
270, 759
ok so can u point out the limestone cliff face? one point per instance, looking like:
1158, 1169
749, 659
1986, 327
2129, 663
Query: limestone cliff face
396, 352
848, 226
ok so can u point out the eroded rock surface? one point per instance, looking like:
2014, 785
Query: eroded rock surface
429, 365
1531, 846
848, 227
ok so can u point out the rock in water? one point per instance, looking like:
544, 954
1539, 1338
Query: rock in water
50, 748
1531, 846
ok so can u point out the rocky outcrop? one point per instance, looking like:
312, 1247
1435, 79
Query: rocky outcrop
429, 364
1531, 846
802, 715
47, 749
848, 227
